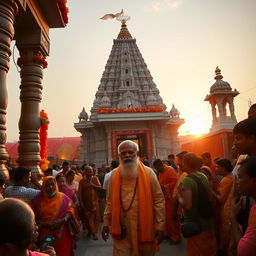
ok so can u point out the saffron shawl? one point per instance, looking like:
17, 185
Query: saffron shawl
145, 205
50, 209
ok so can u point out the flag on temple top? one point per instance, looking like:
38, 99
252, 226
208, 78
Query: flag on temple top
111, 15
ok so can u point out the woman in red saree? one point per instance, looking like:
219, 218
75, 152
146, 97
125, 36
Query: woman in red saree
53, 211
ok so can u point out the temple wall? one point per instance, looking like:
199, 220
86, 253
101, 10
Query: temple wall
219, 144
98, 147
166, 142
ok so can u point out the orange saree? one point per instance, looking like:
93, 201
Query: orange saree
168, 179
50, 209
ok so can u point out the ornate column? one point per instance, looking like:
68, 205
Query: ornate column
153, 128
220, 109
83, 152
214, 116
224, 104
8, 9
32, 62
232, 109
109, 143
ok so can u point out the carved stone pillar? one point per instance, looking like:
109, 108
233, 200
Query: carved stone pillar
83, 148
214, 115
8, 9
220, 109
32, 62
232, 109
153, 134
109, 143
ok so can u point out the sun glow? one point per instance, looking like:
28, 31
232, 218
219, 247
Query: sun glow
194, 127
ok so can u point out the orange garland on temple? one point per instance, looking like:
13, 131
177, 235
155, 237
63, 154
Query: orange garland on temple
64, 10
130, 110
43, 134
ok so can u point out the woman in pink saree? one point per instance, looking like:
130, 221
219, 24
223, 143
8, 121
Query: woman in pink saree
60, 178
53, 211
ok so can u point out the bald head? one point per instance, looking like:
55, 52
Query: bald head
88, 172
16, 223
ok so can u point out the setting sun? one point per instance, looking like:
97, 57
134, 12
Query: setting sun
194, 127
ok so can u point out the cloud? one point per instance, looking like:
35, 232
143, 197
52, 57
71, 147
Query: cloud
173, 3
159, 5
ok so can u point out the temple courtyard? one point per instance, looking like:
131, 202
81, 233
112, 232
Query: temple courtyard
88, 247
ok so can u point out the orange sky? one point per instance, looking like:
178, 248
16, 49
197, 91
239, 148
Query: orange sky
182, 42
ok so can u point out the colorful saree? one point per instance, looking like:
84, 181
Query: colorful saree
51, 209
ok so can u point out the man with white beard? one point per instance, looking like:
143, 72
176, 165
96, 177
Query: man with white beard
135, 208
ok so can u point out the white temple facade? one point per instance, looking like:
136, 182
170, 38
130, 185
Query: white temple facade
221, 95
127, 105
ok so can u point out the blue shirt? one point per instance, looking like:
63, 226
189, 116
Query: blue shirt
21, 192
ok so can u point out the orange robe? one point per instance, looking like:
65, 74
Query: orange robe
202, 244
89, 201
145, 215
225, 193
168, 179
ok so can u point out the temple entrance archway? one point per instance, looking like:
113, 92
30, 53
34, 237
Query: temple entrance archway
141, 137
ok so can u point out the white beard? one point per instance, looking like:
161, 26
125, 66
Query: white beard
129, 170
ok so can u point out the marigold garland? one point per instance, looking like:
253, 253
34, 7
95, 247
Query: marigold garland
35, 58
21, 60
41, 60
43, 132
130, 110
64, 10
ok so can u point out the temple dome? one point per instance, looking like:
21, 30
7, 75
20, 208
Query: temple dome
219, 85
83, 115
174, 112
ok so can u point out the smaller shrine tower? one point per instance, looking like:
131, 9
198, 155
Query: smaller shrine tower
221, 95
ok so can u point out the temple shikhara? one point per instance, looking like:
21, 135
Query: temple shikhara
127, 105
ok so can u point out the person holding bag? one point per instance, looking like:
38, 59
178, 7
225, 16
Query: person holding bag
194, 198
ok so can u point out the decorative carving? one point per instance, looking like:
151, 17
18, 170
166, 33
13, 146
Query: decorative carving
30, 96
83, 116
174, 112
3, 138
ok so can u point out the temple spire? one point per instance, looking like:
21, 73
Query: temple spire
124, 32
